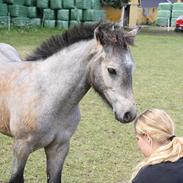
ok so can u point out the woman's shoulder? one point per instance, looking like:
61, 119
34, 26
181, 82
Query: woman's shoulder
166, 172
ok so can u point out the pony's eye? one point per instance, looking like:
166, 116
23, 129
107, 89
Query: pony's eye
111, 71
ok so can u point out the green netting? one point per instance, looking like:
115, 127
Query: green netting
30, 2
178, 6
56, 4
42, 4
21, 21
93, 15
19, 2
1, 1
63, 14
164, 13
176, 13
35, 22
76, 14
4, 21
161, 21
165, 6
62, 24
49, 23
48, 14
3, 10
74, 23
32, 12
96, 4
89, 22
84, 4
173, 22
18, 11
68, 4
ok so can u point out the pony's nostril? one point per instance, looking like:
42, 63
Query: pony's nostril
128, 116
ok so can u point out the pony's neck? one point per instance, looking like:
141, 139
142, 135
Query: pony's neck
69, 71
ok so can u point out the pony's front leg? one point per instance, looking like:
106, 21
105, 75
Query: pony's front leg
21, 151
55, 154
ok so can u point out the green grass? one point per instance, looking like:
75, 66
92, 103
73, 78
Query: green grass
103, 150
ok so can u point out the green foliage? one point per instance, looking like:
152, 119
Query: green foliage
114, 3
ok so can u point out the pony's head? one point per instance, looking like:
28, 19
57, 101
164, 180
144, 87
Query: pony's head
111, 70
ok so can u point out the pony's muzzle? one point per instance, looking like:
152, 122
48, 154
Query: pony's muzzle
127, 116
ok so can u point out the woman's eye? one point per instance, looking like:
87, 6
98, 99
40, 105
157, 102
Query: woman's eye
112, 71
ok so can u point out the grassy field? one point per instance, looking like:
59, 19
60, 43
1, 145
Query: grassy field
103, 150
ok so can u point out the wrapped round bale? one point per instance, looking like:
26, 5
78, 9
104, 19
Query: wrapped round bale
164, 13
173, 22
63, 14
62, 24
177, 13
162, 21
42, 4
68, 4
93, 15
32, 12
56, 4
30, 2
19, 2
165, 6
73, 23
21, 21
4, 21
49, 23
76, 14
178, 6
18, 11
35, 22
3, 10
84, 4
48, 14
96, 4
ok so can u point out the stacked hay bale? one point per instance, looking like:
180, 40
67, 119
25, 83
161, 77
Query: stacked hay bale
176, 12
50, 13
164, 14
3, 14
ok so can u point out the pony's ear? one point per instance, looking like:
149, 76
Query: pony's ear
99, 35
130, 36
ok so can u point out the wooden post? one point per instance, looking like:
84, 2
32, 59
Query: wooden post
133, 13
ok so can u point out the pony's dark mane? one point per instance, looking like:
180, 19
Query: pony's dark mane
58, 42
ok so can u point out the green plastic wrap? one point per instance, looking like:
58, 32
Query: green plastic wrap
42, 3
30, 2
62, 24
1, 1
76, 14
165, 6
178, 6
48, 14
56, 4
18, 11
49, 23
21, 21
68, 4
3, 10
63, 14
4, 21
161, 21
84, 4
176, 13
35, 22
32, 12
164, 13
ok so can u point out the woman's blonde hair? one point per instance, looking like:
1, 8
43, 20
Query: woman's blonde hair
160, 127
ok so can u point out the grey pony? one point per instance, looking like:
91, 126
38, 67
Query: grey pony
39, 97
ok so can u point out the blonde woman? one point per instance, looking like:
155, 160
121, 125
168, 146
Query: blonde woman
163, 151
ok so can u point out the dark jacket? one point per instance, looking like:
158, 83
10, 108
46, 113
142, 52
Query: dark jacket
167, 172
